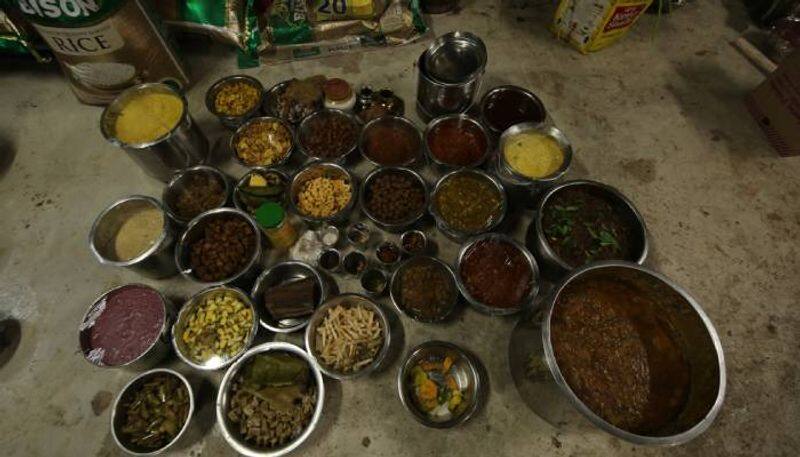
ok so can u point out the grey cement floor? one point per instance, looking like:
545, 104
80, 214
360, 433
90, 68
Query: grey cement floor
659, 115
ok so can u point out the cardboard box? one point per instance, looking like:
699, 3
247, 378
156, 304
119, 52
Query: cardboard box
775, 105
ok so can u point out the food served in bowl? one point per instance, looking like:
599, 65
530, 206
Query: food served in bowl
349, 338
436, 390
152, 411
272, 399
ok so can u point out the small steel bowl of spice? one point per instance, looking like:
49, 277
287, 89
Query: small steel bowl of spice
214, 327
270, 401
497, 275
414, 242
235, 99
195, 190
374, 282
456, 141
424, 288
348, 336
330, 260
220, 246
288, 293
531, 154
329, 134
395, 198
258, 186
152, 412
354, 263
135, 232
388, 254
359, 234
323, 192
262, 142
468, 202
391, 141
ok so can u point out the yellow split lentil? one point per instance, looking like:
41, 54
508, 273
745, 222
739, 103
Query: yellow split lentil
533, 154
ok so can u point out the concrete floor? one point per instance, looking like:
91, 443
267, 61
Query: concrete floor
659, 115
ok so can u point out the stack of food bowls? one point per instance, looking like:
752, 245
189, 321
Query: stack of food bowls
450, 74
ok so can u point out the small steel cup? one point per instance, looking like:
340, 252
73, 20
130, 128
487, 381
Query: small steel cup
179, 182
184, 146
233, 122
156, 262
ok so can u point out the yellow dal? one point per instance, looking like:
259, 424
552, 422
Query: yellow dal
533, 154
148, 117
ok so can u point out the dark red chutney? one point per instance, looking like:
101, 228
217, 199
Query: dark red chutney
123, 325
497, 274
455, 142
511, 107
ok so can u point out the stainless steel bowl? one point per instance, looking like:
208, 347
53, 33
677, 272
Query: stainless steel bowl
460, 235
195, 230
156, 262
396, 292
508, 172
240, 130
393, 122
467, 375
459, 120
347, 300
397, 226
524, 93
237, 199
455, 57
408, 234
329, 170
179, 181
305, 127
697, 337
269, 105
150, 357
280, 273
482, 307
233, 122
216, 362
537, 240
117, 417
231, 432
377, 273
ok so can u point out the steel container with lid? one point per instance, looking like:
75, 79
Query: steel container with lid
450, 73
